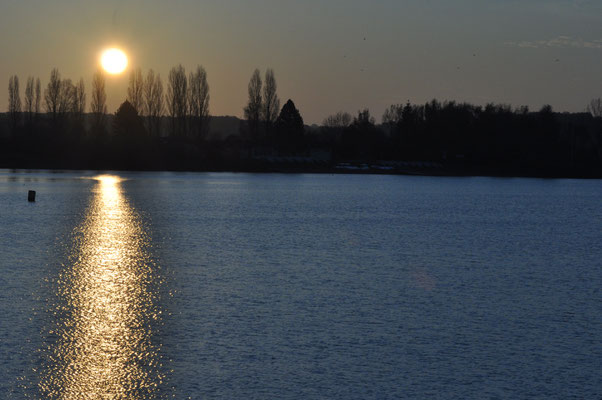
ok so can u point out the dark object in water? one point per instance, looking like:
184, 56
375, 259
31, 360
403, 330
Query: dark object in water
31, 196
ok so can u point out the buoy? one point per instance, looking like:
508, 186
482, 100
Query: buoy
31, 196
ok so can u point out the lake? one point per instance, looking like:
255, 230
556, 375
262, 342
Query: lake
261, 286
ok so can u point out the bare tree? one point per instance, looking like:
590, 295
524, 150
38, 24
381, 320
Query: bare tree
198, 101
595, 107
38, 98
52, 94
66, 99
136, 90
339, 120
253, 108
363, 119
177, 93
153, 102
14, 101
79, 101
393, 115
80, 97
29, 99
98, 106
271, 102
392, 118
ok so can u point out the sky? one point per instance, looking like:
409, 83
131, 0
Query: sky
328, 55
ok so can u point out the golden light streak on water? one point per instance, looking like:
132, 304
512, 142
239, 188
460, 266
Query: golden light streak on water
105, 308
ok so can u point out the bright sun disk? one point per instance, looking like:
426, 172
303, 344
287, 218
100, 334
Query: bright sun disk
114, 61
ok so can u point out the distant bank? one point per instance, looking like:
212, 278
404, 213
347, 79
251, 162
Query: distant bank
441, 139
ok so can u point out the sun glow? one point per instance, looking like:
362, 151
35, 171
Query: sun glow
114, 61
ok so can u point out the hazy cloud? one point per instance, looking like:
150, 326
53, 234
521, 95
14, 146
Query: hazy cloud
559, 42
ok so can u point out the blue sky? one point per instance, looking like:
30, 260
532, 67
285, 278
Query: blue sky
328, 55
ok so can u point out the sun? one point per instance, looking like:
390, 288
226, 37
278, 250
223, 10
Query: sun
114, 61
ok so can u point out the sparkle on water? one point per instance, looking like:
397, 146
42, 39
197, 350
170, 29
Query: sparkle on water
103, 346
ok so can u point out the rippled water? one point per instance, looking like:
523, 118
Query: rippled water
100, 338
160, 285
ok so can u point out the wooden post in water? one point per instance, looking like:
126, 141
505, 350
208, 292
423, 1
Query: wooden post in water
31, 196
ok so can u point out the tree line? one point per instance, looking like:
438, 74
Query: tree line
185, 102
270, 128
465, 138
166, 127
52, 123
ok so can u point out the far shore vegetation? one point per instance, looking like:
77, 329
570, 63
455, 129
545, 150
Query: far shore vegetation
168, 126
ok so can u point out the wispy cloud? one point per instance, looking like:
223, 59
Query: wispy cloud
558, 42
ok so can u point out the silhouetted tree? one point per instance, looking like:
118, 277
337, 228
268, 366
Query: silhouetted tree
546, 136
271, 102
362, 140
329, 136
127, 122
129, 135
459, 137
289, 129
14, 101
339, 120
80, 97
198, 102
391, 123
38, 97
66, 99
153, 101
29, 99
595, 107
177, 95
52, 95
136, 90
79, 102
254, 106
98, 105
392, 117
545, 109
364, 119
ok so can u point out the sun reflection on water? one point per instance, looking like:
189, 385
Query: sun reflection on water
105, 309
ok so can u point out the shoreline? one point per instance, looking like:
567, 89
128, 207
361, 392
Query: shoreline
329, 170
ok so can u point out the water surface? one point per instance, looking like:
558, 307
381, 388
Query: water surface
163, 285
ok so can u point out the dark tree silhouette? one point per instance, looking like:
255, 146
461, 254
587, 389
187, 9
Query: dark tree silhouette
29, 100
136, 90
271, 102
443, 137
14, 102
254, 105
80, 98
338, 121
198, 102
78, 105
392, 116
364, 119
595, 107
67, 99
38, 98
52, 95
153, 102
177, 104
332, 129
127, 122
98, 105
130, 140
289, 129
362, 140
